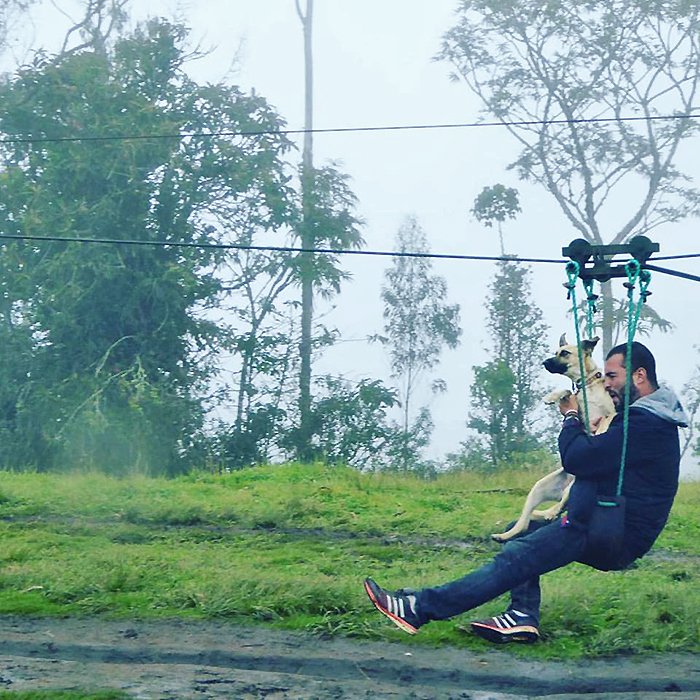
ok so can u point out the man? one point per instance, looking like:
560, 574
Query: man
649, 486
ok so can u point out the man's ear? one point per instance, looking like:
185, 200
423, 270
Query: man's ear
640, 375
588, 345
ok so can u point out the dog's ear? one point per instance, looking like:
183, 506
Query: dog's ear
562, 340
588, 345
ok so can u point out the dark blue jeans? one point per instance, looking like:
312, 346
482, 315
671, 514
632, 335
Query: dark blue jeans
516, 568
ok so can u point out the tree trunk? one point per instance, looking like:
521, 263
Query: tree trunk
307, 242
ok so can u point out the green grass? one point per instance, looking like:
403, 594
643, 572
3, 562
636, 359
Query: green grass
288, 546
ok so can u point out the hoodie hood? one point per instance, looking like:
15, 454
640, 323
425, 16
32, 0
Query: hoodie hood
664, 403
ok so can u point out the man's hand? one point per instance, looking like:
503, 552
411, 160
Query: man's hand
568, 403
595, 423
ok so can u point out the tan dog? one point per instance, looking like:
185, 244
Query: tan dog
601, 410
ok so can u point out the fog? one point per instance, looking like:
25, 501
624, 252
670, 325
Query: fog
373, 67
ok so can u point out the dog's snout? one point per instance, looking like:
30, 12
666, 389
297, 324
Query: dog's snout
554, 366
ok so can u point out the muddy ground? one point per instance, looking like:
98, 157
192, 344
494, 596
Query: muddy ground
202, 660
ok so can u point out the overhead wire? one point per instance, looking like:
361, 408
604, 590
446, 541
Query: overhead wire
279, 249
342, 130
332, 251
685, 256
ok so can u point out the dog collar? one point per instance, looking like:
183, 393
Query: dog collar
589, 380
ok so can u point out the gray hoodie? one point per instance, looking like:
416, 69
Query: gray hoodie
664, 403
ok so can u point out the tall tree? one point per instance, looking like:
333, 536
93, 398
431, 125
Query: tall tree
565, 78
327, 205
418, 321
306, 237
496, 204
517, 340
114, 338
505, 390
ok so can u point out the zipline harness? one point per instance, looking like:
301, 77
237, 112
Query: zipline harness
607, 534
634, 274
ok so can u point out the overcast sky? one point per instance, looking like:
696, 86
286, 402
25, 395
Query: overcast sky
373, 67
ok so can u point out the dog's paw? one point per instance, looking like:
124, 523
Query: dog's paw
557, 396
502, 536
549, 514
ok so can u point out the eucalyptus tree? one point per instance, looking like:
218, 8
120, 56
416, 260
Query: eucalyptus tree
306, 237
418, 320
503, 394
597, 95
116, 346
507, 390
327, 220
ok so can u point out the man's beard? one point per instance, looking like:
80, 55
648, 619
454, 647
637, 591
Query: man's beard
634, 395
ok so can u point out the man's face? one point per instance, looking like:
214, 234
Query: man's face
615, 375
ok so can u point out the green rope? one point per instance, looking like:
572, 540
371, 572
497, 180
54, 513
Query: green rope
572, 270
590, 308
634, 275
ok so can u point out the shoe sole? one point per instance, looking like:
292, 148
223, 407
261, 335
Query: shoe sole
399, 622
525, 634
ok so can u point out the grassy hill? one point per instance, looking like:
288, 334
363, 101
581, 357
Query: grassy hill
288, 546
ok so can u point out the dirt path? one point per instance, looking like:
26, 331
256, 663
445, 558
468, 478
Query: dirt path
202, 660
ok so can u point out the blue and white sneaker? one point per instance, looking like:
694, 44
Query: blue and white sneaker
399, 607
512, 626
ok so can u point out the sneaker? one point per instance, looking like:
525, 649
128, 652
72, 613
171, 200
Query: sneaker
512, 626
399, 607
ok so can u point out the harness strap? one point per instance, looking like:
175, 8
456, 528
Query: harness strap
572, 271
634, 274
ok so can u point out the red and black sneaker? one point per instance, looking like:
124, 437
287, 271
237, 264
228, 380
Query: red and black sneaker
399, 607
512, 626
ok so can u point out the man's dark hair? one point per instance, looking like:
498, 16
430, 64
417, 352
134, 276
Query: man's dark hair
641, 357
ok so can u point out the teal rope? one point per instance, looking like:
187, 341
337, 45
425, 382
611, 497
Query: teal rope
572, 270
590, 308
634, 275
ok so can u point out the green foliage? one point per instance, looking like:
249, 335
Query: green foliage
248, 443
406, 447
491, 398
418, 321
496, 203
546, 70
108, 343
327, 221
332, 223
506, 390
349, 426
350, 422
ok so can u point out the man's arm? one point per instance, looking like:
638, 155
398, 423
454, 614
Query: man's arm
590, 456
